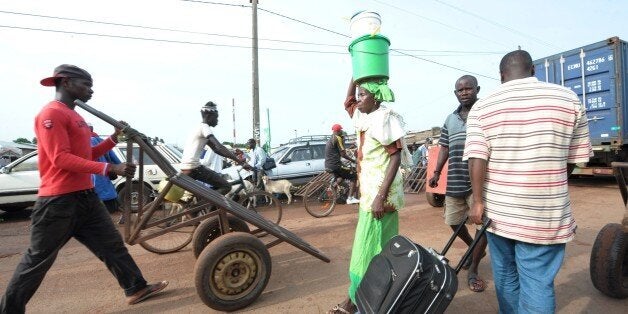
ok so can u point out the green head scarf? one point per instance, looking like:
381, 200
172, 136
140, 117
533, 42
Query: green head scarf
380, 90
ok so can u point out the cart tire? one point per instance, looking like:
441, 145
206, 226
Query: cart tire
608, 265
209, 230
435, 199
232, 271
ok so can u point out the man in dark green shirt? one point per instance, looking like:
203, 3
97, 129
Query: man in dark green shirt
334, 149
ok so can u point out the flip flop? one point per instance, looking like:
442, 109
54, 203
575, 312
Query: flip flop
146, 293
475, 284
338, 309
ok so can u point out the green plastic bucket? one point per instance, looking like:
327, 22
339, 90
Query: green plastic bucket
369, 57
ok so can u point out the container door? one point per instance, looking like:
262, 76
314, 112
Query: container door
596, 91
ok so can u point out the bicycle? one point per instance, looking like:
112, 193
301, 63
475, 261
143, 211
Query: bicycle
201, 233
321, 197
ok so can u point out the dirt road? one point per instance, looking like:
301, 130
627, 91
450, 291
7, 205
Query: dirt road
300, 283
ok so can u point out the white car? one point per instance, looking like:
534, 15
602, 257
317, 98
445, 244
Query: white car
298, 162
19, 180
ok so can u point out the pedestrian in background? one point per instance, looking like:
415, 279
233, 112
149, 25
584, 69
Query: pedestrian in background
458, 196
67, 206
424, 151
523, 140
102, 184
258, 158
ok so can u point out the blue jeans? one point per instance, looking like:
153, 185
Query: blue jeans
524, 274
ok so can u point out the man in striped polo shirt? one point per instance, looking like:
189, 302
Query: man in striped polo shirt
522, 142
458, 196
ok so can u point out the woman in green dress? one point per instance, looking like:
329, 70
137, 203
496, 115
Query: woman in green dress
381, 152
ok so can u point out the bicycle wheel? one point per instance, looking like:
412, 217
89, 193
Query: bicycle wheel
265, 204
320, 199
170, 241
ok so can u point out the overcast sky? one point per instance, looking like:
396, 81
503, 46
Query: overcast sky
157, 79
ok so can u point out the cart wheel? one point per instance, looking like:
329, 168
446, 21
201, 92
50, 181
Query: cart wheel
135, 195
209, 230
171, 241
232, 271
435, 199
265, 204
608, 265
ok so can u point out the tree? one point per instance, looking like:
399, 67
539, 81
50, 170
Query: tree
22, 140
34, 141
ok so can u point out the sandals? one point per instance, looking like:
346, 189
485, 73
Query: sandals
146, 293
475, 284
339, 309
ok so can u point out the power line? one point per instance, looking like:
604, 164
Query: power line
302, 22
217, 45
177, 41
271, 12
163, 40
226, 35
163, 29
445, 65
401, 52
496, 24
441, 23
220, 3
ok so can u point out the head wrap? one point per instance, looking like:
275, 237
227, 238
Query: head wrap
209, 107
380, 90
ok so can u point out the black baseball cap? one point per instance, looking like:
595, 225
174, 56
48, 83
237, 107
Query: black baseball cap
66, 70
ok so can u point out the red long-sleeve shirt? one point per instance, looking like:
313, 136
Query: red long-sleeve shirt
65, 154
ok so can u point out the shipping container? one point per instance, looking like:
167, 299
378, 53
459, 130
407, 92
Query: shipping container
598, 74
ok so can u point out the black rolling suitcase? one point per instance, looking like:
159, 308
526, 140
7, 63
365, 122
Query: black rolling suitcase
407, 278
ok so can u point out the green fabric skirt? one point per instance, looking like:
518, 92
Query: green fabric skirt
370, 236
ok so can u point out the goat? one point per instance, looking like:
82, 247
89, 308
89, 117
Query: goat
279, 186
248, 187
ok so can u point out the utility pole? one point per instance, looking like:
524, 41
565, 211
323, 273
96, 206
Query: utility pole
234, 126
256, 130
268, 134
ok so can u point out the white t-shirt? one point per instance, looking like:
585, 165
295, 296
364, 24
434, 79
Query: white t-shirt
212, 160
194, 146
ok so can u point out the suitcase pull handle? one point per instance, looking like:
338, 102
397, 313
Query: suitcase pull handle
486, 222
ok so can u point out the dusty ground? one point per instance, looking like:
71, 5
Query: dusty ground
300, 283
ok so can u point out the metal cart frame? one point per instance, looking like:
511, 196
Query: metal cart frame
132, 231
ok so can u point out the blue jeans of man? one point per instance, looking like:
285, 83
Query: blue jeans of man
524, 274
55, 220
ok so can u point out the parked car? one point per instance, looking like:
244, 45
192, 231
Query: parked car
299, 160
19, 183
19, 180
